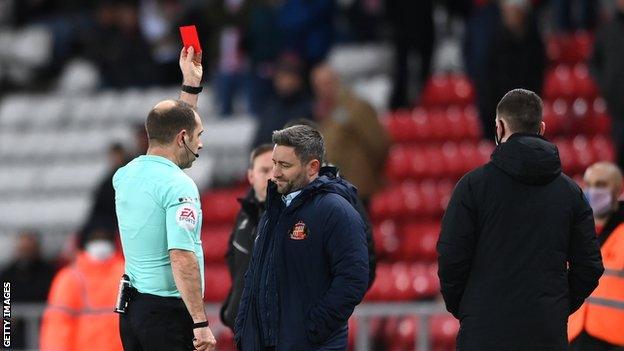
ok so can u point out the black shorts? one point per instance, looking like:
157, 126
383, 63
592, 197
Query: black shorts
155, 323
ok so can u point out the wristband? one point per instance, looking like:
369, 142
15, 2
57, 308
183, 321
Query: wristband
191, 90
200, 325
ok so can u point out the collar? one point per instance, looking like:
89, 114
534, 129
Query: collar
289, 197
159, 159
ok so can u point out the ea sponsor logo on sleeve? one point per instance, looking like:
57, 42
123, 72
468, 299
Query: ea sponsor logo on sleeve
6, 315
186, 217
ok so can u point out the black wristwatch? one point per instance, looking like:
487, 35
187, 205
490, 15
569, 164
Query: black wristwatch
191, 90
200, 325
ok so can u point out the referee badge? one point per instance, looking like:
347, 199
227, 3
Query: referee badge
299, 231
186, 217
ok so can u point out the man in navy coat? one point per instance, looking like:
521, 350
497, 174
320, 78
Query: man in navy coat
309, 267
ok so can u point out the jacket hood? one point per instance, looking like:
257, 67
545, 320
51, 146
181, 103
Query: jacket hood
528, 159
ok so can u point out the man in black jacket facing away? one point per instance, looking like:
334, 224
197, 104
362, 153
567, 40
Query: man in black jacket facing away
518, 250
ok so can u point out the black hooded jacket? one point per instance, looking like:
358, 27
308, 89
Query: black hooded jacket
518, 250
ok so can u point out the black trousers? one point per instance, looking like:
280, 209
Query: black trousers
155, 323
586, 342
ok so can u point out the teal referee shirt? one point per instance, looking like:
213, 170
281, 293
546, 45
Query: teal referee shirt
158, 209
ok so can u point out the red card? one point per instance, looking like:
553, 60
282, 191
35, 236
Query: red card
190, 38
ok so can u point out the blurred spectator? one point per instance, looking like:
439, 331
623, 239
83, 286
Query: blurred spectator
245, 229
79, 314
104, 198
30, 277
412, 23
227, 18
597, 325
117, 47
307, 27
481, 24
355, 141
359, 20
263, 42
159, 21
607, 67
290, 100
516, 59
571, 15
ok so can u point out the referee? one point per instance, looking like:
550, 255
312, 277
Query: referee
159, 216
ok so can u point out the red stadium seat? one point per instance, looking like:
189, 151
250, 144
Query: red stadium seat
603, 148
215, 243
569, 48
584, 153
584, 85
383, 285
218, 281
559, 83
399, 162
387, 242
444, 328
221, 206
419, 241
445, 90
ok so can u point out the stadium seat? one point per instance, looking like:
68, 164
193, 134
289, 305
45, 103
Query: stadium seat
603, 148
215, 242
445, 90
584, 85
217, 282
387, 242
569, 48
220, 206
444, 328
559, 83
418, 241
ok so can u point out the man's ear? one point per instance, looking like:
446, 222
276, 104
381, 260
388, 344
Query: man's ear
179, 139
314, 167
542, 128
250, 176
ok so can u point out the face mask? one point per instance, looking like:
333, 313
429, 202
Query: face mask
600, 200
100, 250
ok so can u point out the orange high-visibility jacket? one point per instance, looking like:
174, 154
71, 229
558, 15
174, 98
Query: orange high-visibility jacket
79, 315
602, 314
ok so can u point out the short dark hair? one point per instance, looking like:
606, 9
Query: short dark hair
307, 141
163, 124
522, 109
302, 122
259, 150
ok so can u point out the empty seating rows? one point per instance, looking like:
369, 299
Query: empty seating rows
403, 281
449, 160
435, 124
444, 90
412, 199
407, 241
580, 152
569, 48
579, 116
569, 82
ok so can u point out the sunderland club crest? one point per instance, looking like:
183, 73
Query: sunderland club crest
299, 231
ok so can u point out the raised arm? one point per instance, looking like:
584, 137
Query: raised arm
192, 71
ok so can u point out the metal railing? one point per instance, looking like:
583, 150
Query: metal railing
31, 314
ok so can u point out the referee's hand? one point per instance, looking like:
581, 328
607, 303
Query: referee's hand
204, 340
